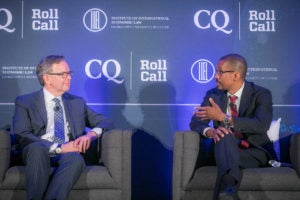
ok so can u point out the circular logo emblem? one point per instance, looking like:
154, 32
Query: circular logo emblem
203, 71
94, 20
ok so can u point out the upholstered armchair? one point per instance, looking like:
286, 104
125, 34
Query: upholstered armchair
111, 180
273, 183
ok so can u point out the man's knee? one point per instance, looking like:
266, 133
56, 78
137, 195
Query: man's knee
228, 139
74, 159
35, 150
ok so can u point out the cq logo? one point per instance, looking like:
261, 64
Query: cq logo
202, 71
213, 20
111, 69
8, 20
94, 20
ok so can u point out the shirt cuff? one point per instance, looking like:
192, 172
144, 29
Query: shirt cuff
98, 131
53, 147
205, 131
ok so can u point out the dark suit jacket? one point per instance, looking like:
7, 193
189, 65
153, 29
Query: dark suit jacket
255, 113
30, 118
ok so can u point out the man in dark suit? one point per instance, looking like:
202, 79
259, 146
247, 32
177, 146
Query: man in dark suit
52, 132
242, 113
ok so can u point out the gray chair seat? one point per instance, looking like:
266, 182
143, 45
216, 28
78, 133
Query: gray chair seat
258, 183
256, 179
111, 181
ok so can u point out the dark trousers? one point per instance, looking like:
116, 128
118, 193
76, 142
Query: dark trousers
230, 159
44, 183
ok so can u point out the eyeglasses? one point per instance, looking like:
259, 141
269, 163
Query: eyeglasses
220, 72
62, 74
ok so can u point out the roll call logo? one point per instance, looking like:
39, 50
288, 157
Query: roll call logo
153, 71
263, 21
45, 20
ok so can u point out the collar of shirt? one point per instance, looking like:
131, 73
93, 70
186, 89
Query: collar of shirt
49, 97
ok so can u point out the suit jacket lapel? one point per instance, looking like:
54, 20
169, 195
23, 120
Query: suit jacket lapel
69, 119
39, 103
224, 101
245, 100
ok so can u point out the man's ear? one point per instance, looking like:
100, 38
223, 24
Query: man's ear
46, 79
237, 75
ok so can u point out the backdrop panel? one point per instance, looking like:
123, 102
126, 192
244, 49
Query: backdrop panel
146, 64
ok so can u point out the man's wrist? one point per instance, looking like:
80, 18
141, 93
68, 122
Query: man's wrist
97, 131
223, 117
93, 134
206, 132
57, 150
226, 121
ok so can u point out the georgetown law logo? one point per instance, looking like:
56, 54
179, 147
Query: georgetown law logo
218, 19
6, 20
110, 69
94, 20
202, 71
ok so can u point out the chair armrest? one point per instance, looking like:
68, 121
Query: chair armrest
5, 147
116, 156
295, 152
185, 153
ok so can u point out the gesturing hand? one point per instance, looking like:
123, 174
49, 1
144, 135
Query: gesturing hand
212, 112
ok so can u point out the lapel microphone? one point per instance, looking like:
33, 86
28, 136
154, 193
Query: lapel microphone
56, 108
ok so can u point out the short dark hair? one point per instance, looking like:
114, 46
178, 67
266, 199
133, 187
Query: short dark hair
45, 66
238, 61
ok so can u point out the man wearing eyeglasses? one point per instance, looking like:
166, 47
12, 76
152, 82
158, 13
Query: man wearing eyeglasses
241, 112
50, 127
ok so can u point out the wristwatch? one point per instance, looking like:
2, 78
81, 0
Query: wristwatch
226, 121
58, 149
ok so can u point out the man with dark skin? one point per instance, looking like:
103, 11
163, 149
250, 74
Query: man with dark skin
238, 136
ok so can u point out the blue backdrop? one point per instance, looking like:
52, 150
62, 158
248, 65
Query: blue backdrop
146, 64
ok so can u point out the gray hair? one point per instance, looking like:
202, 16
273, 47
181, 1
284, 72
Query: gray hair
45, 66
